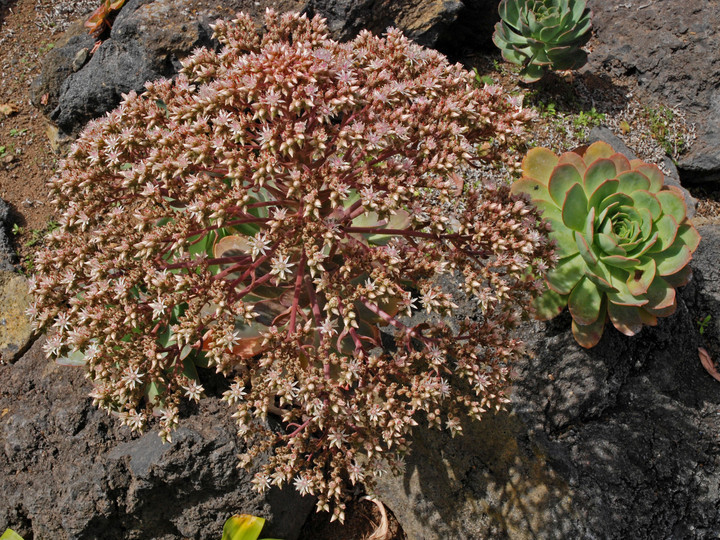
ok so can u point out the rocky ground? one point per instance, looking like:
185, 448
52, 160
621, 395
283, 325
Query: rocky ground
617, 442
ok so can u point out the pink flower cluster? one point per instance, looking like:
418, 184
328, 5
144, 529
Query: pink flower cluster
287, 211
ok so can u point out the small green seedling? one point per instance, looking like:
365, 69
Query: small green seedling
483, 79
17, 229
703, 323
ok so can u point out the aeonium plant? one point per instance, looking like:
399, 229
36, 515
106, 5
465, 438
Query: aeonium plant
276, 213
541, 35
624, 241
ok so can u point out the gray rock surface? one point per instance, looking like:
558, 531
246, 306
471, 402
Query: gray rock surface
705, 287
672, 176
618, 441
670, 47
68, 471
147, 41
421, 20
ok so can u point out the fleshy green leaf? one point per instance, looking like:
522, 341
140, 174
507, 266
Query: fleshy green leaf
585, 301
625, 318
536, 189
653, 172
622, 163
9, 534
618, 198
689, 236
563, 178
573, 159
644, 247
564, 237
619, 261
641, 277
679, 279
672, 204
631, 181
598, 171
589, 229
566, 274
589, 335
608, 244
667, 229
623, 296
532, 73
673, 259
574, 209
602, 192
645, 199
599, 275
598, 150
585, 250
75, 358
539, 164
646, 224
549, 305
660, 296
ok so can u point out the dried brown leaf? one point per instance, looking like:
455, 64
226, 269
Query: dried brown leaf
708, 364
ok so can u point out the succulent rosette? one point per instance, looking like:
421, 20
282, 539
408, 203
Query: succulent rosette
623, 238
543, 34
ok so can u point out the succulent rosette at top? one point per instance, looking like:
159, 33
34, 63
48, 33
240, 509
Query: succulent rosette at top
543, 34
623, 238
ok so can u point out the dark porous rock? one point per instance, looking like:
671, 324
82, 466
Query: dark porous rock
7, 254
472, 30
672, 177
69, 471
705, 287
148, 40
58, 64
420, 20
617, 441
670, 47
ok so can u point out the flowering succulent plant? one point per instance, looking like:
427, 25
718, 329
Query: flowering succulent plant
623, 238
543, 34
277, 212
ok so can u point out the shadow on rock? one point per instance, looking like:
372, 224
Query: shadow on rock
493, 482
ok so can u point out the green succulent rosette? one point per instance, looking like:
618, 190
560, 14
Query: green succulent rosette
543, 34
623, 238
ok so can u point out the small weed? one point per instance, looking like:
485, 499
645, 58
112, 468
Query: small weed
15, 132
46, 48
483, 79
586, 119
703, 323
37, 235
3, 152
661, 128
17, 229
548, 110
